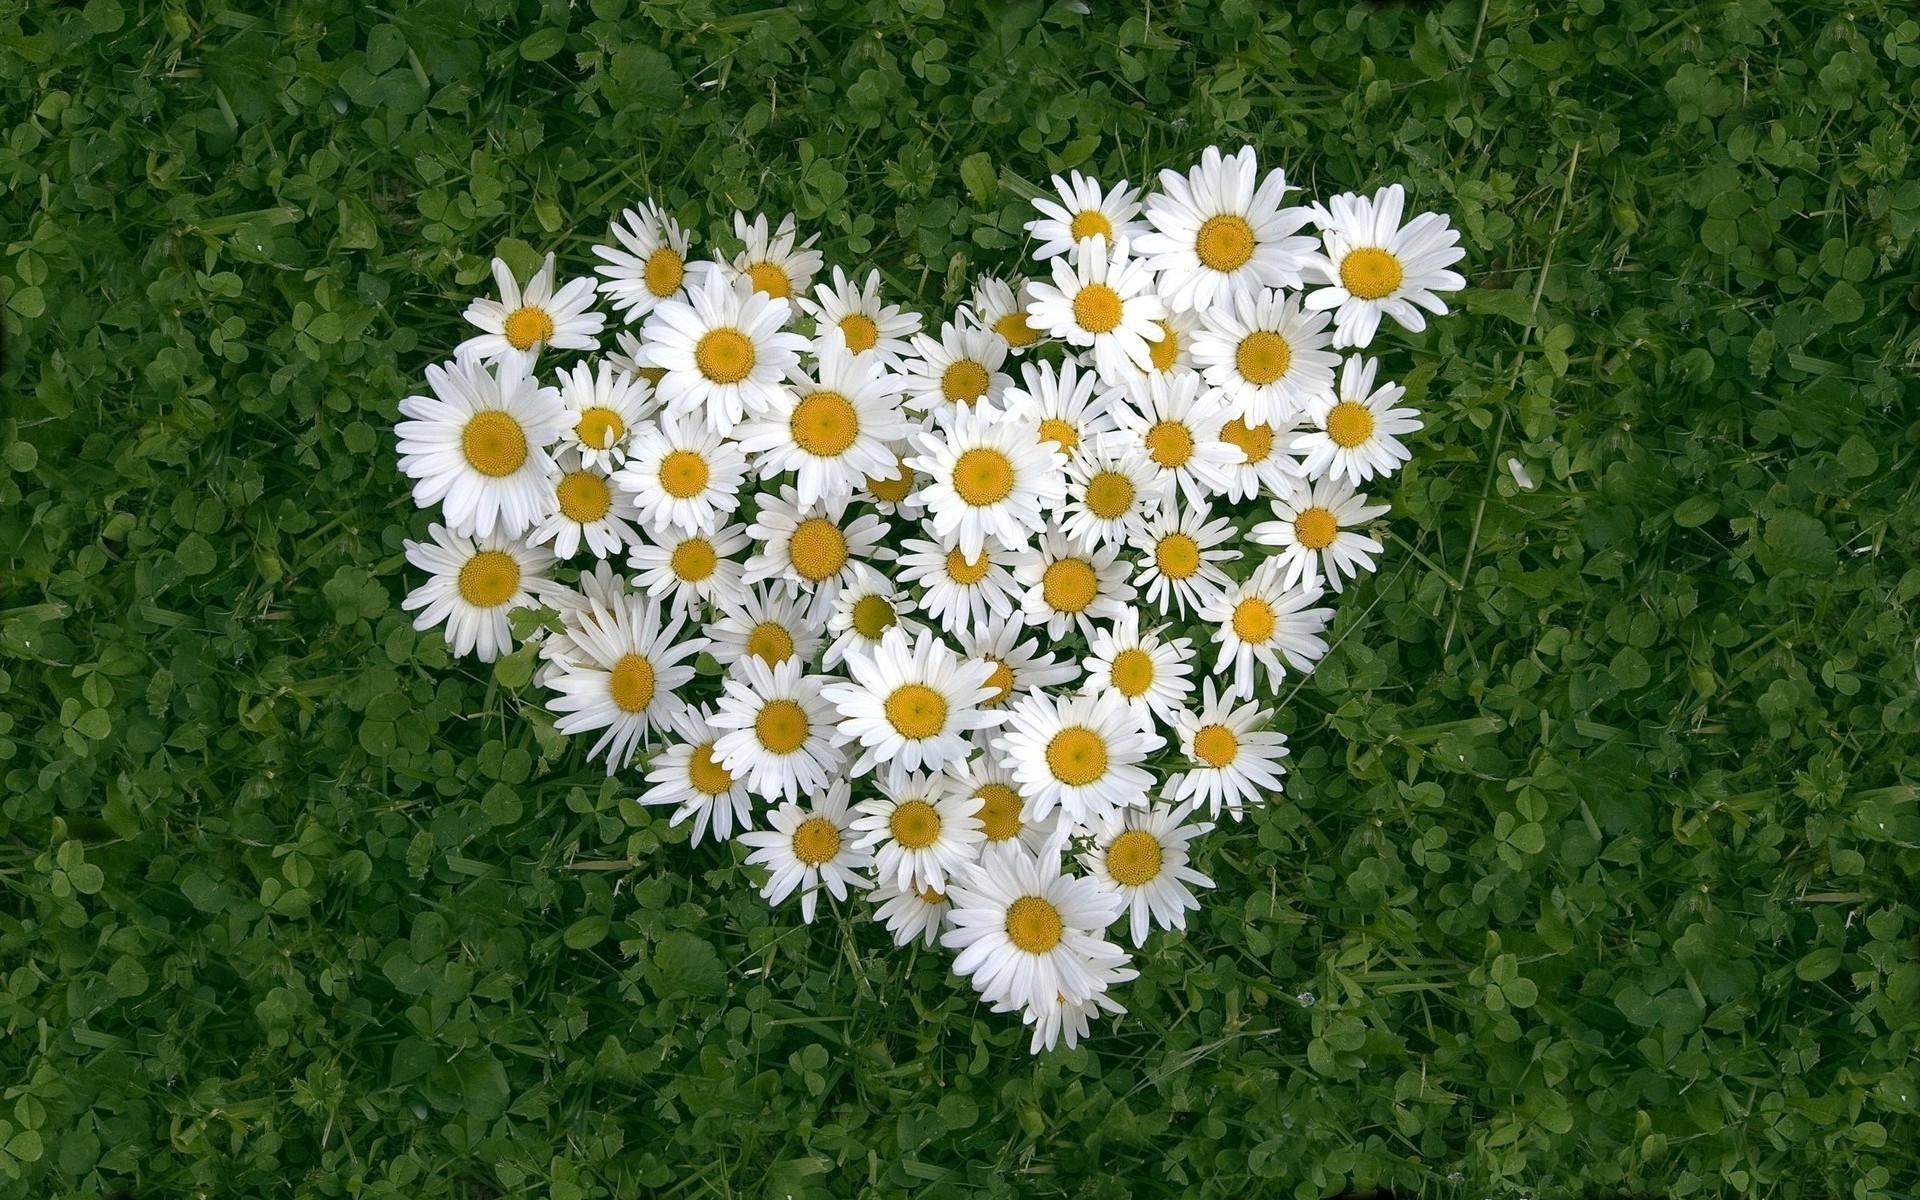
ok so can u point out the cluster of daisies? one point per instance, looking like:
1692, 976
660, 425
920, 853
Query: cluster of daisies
993, 616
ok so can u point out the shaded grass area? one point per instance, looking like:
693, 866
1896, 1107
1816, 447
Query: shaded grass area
1596, 874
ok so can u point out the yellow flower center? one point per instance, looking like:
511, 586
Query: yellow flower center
771, 278
599, 428
916, 711
818, 550
1370, 273
861, 332
965, 381
1001, 681
706, 774
1069, 585
965, 571
489, 579
1177, 556
693, 560
1060, 433
1315, 528
1132, 672
527, 325
872, 616
684, 474
652, 375
1254, 441
1109, 495
1034, 924
1171, 444
1253, 620
1166, 350
982, 477
1216, 746
1097, 308
631, 683
1134, 858
1090, 222
824, 424
1077, 756
1349, 424
494, 443
781, 726
770, 642
665, 272
1224, 243
584, 497
931, 896
892, 488
816, 841
724, 355
915, 824
999, 811
1263, 356
1015, 329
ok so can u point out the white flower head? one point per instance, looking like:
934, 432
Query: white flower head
521, 324
1373, 266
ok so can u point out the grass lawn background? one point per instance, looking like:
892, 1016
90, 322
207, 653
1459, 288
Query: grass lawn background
1597, 871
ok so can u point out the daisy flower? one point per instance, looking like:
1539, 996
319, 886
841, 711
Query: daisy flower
1265, 467
1015, 668
1068, 586
724, 351
1177, 422
1085, 210
629, 359
959, 592
650, 264
1149, 673
1173, 352
1258, 620
681, 473
521, 324
1357, 434
896, 490
1140, 855
1216, 234
1315, 529
1113, 488
833, 431
1081, 754
765, 623
626, 678
1102, 299
866, 608
911, 703
1374, 266
1005, 816
582, 506
776, 267
1235, 758
1267, 355
812, 547
472, 584
997, 306
1028, 934
779, 731
956, 372
599, 584
1068, 1019
687, 774
684, 569
990, 477
910, 912
1062, 403
807, 849
919, 831
478, 447
602, 409
868, 327
1181, 552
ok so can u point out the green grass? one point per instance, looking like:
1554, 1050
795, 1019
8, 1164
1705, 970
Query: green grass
1601, 849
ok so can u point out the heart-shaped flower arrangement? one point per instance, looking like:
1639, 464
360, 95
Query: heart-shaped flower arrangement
960, 614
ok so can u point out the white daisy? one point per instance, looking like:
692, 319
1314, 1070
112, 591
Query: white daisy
779, 731
1173, 352
1113, 488
686, 774
1140, 855
1373, 266
998, 306
957, 372
1265, 466
868, 606
1180, 555
1085, 210
725, 351
1005, 815
834, 431
776, 267
1258, 620
626, 678
1149, 673
1068, 586
1357, 434
960, 592
599, 584
1067, 1020
583, 506
1079, 753
1015, 668
1028, 934
1234, 757
630, 359
1215, 234
807, 849
1315, 527
1177, 422
1268, 356
1062, 403
896, 490
919, 830
1102, 298
911, 703
766, 623
521, 324
868, 327
683, 569
603, 407
651, 264
681, 473
473, 584
990, 477
910, 912
811, 547
478, 447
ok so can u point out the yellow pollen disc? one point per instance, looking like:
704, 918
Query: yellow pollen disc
489, 579
1034, 925
599, 428
1166, 350
653, 375
1132, 672
915, 824
1069, 584
693, 560
1370, 273
1177, 556
1015, 329
860, 331
527, 325
999, 811
1097, 308
818, 550
965, 571
665, 272
1171, 444
724, 355
964, 382
1253, 620
683, 474
816, 841
770, 278
584, 497
631, 683
824, 424
1001, 681
893, 488
1254, 441
982, 477
494, 443
916, 711
706, 774
1316, 528
770, 643
1134, 858
933, 897
1090, 222
781, 726
1216, 746
1077, 756
1109, 495
1224, 243
872, 616
1349, 424
1060, 433
1263, 356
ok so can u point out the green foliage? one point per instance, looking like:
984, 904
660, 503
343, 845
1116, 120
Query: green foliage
1597, 872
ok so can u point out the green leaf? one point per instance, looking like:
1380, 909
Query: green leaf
543, 44
1818, 964
977, 172
195, 555
683, 964
587, 931
1696, 511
